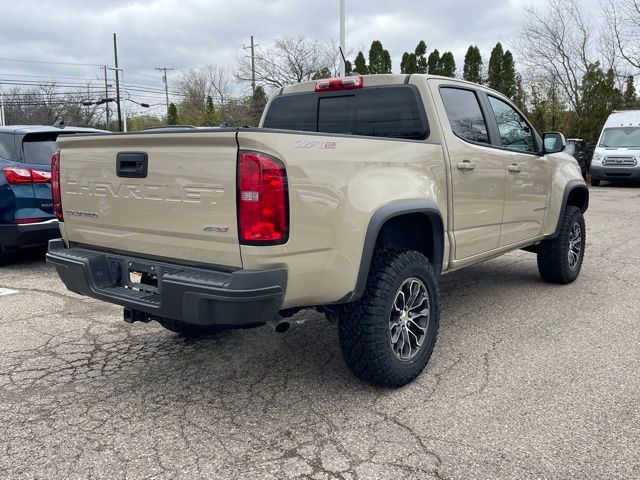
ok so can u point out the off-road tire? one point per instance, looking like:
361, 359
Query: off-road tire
187, 329
595, 182
553, 255
364, 328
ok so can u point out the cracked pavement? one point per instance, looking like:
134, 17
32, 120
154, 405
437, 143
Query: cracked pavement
527, 380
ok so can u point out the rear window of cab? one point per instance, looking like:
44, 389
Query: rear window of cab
387, 111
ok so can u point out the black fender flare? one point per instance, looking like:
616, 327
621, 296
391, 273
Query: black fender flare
570, 187
380, 217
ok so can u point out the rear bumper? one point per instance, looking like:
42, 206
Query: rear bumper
615, 174
15, 236
196, 296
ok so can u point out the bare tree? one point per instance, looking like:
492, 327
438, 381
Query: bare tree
289, 60
46, 103
623, 26
558, 42
197, 85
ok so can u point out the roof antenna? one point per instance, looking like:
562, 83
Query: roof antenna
59, 123
348, 74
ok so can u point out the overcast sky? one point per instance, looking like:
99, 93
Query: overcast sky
189, 33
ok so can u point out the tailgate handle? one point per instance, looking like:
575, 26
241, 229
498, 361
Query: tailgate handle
132, 164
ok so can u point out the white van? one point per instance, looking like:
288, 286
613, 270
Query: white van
616, 156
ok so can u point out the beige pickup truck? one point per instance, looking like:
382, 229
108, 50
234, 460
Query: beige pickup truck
352, 197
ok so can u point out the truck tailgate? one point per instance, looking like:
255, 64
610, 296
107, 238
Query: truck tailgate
183, 208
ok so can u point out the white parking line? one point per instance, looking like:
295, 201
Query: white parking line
7, 291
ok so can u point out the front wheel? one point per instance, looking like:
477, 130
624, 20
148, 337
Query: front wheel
560, 259
388, 336
595, 182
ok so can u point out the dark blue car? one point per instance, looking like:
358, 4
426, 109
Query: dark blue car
26, 214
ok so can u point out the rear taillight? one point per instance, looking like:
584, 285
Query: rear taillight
40, 176
21, 175
263, 207
344, 83
17, 175
55, 185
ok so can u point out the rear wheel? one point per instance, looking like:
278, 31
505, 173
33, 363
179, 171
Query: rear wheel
187, 329
560, 259
388, 336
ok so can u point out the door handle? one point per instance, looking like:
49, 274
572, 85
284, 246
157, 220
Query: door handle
514, 168
466, 165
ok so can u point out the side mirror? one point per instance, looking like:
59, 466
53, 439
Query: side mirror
554, 142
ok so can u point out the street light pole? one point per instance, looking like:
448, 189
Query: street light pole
343, 67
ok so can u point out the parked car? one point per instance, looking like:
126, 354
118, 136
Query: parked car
353, 198
577, 148
615, 158
26, 211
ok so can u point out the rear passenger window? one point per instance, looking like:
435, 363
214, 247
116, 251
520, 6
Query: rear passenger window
464, 114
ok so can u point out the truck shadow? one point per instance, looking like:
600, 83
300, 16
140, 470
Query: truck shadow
307, 357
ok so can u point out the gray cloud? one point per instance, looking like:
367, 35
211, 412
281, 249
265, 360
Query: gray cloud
189, 33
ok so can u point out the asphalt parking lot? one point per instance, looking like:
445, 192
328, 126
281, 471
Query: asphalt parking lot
528, 380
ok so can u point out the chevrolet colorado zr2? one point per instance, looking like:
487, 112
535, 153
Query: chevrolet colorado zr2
353, 196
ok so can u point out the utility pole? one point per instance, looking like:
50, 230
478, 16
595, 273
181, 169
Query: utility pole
343, 67
2, 122
106, 94
253, 64
117, 70
166, 86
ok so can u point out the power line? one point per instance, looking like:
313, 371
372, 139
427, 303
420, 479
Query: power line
20, 60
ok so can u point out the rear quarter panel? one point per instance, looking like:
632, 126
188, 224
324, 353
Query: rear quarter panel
336, 183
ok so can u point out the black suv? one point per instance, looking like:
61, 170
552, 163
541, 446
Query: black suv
577, 148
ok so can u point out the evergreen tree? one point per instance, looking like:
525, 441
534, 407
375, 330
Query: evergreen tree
209, 113
520, 96
599, 98
348, 68
494, 75
447, 65
172, 114
256, 105
421, 59
408, 64
377, 61
508, 83
630, 100
360, 64
472, 71
433, 63
386, 62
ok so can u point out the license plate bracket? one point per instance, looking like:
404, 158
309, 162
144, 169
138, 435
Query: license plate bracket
142, 277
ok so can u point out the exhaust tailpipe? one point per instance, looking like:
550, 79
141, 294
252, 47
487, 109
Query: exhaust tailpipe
280, 324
